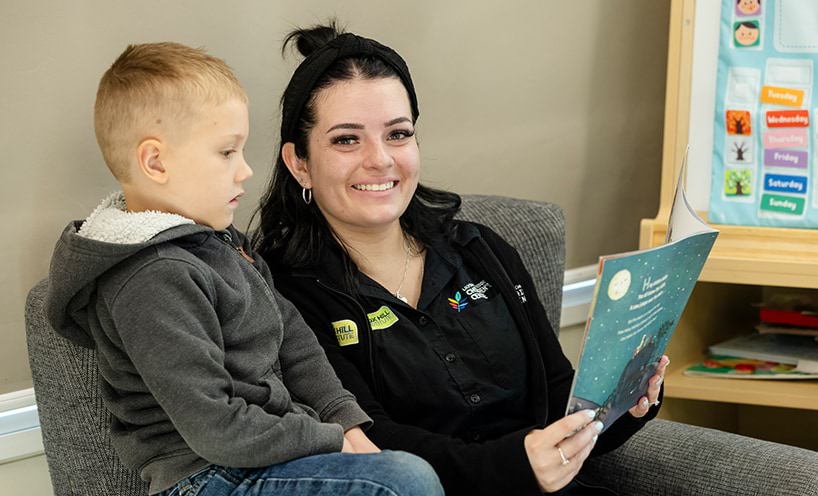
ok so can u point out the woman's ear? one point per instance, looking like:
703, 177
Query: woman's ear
297, 166
149, 157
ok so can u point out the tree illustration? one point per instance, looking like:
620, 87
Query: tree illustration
664, 329
737, 182
738, 122
740, 149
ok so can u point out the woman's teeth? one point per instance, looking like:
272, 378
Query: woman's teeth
375, 187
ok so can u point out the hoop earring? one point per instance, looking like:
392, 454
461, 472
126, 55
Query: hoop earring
306, 195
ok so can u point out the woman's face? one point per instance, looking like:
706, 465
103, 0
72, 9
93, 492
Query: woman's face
363, 160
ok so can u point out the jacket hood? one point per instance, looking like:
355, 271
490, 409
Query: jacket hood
87, 249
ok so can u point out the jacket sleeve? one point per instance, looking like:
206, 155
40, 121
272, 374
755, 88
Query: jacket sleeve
176, 348
498, 466
308, 375
559, 370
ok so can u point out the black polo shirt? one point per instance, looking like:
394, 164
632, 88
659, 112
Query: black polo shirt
455, 365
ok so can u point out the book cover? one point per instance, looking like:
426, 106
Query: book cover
638, 299
801, 351
729, 367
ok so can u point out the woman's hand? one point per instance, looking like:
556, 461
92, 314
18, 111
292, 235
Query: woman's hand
358, 442
557, 452
654, 386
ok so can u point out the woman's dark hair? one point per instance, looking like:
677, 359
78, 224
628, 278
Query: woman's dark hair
294, 235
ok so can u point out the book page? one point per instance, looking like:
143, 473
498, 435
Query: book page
684, 221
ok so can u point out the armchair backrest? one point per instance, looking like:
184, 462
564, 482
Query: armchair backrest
75, 423
537, 231
73, 420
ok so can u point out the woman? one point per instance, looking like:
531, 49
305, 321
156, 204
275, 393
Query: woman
377, 266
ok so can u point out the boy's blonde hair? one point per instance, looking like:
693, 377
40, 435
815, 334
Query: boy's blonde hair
156, 88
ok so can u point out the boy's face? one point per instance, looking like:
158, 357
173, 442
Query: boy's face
206, 168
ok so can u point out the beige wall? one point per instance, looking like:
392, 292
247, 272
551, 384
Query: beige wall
548, 100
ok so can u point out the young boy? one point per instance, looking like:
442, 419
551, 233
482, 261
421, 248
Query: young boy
214, 381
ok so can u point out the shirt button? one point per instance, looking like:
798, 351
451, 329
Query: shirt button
475, 398
450, 357
475, 436
423, 320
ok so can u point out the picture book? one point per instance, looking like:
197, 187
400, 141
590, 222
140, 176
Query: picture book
801, 351
729, 367
638, 299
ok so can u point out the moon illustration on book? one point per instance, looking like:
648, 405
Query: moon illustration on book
619, 285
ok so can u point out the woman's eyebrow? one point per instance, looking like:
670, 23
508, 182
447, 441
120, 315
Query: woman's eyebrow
346, 125
395, 121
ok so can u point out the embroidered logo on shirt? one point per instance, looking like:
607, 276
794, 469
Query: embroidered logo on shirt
477, 291
458, 302
382, 318
346, 332
520, 293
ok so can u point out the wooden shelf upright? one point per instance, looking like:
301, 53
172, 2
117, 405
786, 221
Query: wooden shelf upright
743, 260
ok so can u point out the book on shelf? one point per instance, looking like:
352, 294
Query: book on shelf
784, 329
800, 318
638, 299
729, 367
801, 351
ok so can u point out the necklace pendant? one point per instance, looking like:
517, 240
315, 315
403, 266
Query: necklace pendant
402, 298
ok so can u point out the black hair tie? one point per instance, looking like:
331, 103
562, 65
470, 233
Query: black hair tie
311, 69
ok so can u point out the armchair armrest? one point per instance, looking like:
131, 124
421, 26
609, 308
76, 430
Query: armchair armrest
670, 458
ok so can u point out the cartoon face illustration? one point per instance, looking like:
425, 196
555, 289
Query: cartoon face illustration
748, 7
747, 33
619, 285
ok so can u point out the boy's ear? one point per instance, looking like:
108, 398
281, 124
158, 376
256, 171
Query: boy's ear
149, 155
296, 165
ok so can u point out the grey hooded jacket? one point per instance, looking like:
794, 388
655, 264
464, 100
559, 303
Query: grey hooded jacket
203, 362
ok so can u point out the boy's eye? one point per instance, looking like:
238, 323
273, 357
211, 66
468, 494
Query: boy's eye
401, 134
227, 153
344, 140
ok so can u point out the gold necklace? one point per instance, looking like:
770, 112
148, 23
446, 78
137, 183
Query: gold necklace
403, 278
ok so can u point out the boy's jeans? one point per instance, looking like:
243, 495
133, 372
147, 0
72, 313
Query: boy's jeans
389, 473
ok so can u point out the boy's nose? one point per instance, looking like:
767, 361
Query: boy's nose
245, 172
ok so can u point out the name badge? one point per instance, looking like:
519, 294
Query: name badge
382, 318
346, 332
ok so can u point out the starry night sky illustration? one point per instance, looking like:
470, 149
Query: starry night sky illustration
605, 353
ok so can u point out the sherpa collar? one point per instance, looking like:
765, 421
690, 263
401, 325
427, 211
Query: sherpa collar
111, 222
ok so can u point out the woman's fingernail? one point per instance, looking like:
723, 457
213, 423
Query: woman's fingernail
598, 426
594, 438
645, 403
591, 414
659, 382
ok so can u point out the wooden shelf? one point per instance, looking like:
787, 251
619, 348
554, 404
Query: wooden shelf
743, 260
780, 393
753, 255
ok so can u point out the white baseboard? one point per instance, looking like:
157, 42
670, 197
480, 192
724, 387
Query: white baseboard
20, 435
577, 292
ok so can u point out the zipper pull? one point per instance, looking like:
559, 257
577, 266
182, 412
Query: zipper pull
244, 254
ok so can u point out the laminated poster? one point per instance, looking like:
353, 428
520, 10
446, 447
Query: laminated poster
764, 161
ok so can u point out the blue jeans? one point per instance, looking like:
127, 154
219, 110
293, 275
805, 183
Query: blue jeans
389, 473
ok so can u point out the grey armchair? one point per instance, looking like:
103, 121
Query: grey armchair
665, 458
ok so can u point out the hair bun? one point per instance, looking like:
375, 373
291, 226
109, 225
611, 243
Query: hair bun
310, 39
